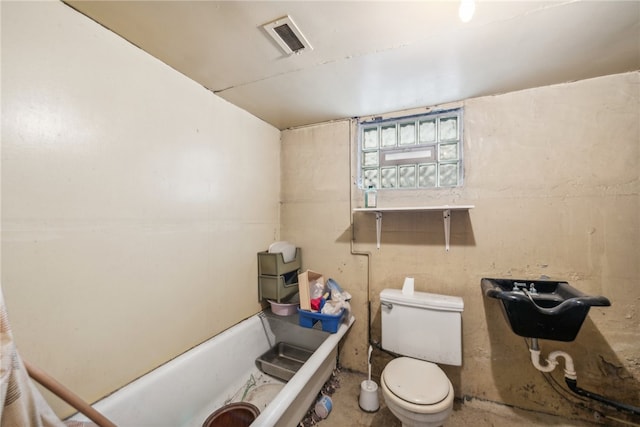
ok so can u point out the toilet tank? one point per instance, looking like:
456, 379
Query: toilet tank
422, 325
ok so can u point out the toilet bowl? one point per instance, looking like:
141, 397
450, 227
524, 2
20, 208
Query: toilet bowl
417, 392
240, 414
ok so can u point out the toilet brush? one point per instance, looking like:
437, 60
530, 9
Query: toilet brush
369, 390
369, 362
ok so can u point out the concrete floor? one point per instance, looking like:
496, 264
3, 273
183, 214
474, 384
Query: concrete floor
346, 411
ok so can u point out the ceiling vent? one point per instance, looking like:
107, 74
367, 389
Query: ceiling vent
288, 36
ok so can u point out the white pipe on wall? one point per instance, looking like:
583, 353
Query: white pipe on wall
551, 362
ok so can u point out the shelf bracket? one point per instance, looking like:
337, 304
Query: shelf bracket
446, 216
378, 228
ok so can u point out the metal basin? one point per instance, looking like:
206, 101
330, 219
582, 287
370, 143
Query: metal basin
283, 360
542, 308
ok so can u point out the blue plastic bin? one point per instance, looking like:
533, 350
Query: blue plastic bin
330, 322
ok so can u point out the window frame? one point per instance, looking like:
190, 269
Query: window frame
388, 158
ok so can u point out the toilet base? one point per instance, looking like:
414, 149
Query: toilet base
410, 419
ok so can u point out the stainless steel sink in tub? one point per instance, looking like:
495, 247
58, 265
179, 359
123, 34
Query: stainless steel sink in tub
283, 360
545, 309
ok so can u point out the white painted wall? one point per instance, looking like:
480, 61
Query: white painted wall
133, 202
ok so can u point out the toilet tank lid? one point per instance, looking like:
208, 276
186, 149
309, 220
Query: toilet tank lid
423, 299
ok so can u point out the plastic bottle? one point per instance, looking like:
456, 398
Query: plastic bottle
370, 197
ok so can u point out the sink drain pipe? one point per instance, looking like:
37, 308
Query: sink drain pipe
552, 360
571, 378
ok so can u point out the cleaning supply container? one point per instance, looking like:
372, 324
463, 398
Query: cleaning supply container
330, 322
277, 276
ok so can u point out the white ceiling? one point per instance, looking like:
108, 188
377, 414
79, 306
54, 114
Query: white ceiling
372, 57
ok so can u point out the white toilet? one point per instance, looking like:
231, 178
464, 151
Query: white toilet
427, 328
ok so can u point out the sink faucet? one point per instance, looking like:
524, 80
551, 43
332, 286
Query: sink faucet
518, 286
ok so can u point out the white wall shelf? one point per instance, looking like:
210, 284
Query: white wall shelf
446, 216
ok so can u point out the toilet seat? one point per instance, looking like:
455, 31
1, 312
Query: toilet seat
416, 385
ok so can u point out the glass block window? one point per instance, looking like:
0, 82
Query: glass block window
423, 151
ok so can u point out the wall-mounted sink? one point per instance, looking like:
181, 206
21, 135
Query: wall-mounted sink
542, 308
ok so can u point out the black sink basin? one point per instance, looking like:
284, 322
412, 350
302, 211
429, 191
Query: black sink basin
542, 308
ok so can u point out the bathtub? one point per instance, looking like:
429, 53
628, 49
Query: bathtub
185, 390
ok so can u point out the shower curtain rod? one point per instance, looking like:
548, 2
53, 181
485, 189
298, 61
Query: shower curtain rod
54, 386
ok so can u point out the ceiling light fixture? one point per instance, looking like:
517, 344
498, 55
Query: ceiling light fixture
288, 36
467, 9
